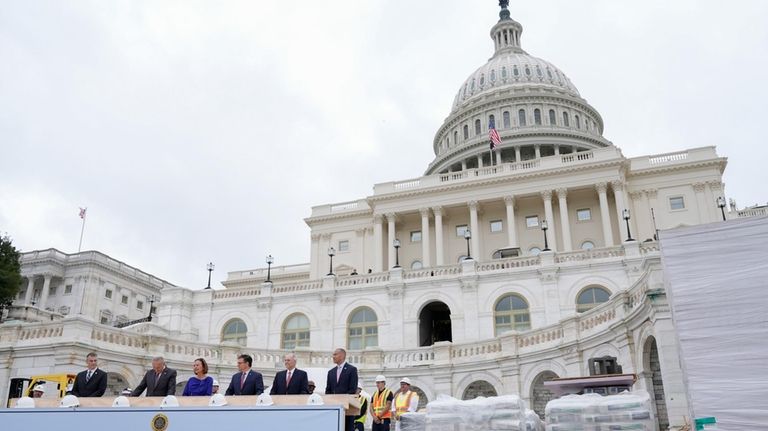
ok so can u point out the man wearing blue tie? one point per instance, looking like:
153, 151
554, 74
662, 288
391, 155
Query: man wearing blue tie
342, 379
290, 381
247, 381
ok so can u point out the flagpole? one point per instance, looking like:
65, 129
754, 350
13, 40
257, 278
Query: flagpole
82, 230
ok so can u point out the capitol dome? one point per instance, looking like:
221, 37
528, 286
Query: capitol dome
531, 103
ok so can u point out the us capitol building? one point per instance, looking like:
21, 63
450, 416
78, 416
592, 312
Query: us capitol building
473, 300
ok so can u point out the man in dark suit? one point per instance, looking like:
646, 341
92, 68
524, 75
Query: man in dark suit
342, 379
291, 381
92, 382
247, 381
160, 381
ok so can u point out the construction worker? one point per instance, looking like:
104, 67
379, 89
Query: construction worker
360, 419
406, 401
38, 391
381, 405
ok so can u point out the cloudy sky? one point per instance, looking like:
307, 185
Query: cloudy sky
199, 131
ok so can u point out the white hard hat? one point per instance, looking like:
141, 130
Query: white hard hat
405, 380
315, 400
217, 400
264, 400
121, 401
69, 401
39, 388
25, 403
215, 382
170, 401
126, 391
381, 378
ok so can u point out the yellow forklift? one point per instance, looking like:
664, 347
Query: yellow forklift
56, 386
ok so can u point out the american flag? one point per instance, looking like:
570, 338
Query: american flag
82, 212
493, 135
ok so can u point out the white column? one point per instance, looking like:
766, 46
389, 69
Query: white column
474, 228
463, 165
45, 291
517, 153
498, 156
641, 215
655, 210
557, 150
509, 202
549, 216
703, 209
618, 195
562, 194
479, 160
362, 233
378, 247
426, 259
30, 289
391, 236
314, 259
439, 252
537, 149
605, 214
714, 191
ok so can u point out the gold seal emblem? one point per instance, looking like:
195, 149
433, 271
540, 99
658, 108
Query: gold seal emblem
159, 422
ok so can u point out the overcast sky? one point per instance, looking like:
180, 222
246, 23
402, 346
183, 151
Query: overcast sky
199, 131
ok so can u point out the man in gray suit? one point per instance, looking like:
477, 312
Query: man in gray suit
160, 381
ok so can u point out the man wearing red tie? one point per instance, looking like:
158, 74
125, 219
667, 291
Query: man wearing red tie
342, 379
291, 381
247, 381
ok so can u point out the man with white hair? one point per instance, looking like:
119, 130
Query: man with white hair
406, 401
160, 381
290, 381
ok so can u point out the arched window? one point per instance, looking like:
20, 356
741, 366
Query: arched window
511, 313
363, 329
591, 297
521, 117
578, 122
466, 132
417, 264
491, 120
552, 118
565, 120
479, 388
505, 118
537, 116
534, 251
235, 331
295, 331
587, 245
477, 128
455, 137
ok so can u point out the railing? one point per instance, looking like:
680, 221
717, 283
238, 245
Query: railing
438, 271
595, 253
248, 292
345, 206
507, 264
363, 279
753, 212
294, 288
666, 158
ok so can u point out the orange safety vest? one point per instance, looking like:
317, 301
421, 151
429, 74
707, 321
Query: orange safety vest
400, 406
380, 404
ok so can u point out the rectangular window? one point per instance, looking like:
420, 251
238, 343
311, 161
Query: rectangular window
104, 320
68, 289
108, 294
460, 230
497, 226
584, 214
677, 203
52, 290
532, 221
344, 245
124, 300
416, 236
139, 305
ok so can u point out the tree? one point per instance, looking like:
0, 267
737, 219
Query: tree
10, 272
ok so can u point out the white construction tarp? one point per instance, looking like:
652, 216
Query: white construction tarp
717, 286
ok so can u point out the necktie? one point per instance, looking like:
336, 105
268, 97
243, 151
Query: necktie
338, 373
242, 380
288, 380
157, 377
88, 376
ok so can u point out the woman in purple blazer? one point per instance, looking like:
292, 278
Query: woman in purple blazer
201, 383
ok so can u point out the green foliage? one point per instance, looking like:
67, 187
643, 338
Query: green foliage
10, 271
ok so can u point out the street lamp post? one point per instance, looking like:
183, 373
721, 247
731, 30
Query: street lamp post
270, 259
544, 227
210, 267
468, 236
396, 244
721, 204
151, 305
626, 219
331, 253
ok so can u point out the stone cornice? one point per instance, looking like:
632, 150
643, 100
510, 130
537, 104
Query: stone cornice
719, 163
311, 221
